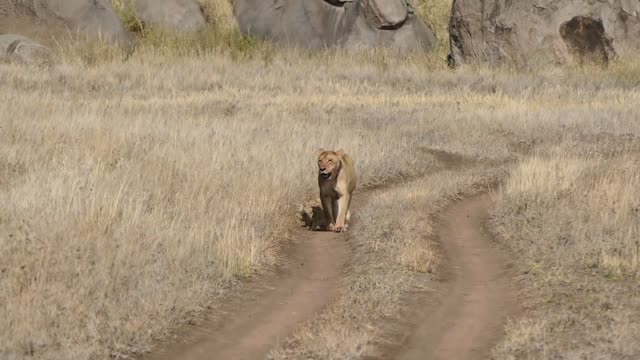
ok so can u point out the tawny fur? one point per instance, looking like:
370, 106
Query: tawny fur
337, 180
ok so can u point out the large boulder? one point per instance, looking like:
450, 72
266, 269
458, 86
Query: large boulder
16, 48
335, 23
180, 15
93, 18
539, 32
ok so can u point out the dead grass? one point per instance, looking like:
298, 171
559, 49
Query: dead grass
584, 188
436, 14
132, 193
134, 190
393, 256
599, 191
573, 212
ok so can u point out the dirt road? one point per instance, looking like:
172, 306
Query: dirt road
462, 322
267, 309
468, 316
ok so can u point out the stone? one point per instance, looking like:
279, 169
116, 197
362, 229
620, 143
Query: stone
543, 31
17, 48
95, 19
351, 24
178, 15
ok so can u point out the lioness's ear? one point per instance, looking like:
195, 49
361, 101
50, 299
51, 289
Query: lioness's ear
340, 152
320, 151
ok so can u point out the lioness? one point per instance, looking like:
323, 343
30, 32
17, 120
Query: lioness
337, 180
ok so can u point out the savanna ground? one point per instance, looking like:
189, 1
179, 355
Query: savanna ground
135, 191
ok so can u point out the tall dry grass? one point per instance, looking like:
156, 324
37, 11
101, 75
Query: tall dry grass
582, 209
495, 117
134, 190
395, 257
573, 212
132, 193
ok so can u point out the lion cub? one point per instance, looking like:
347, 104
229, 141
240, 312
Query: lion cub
337, 180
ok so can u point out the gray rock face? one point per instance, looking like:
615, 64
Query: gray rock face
94, 18
23, 50
543, 31
180, 15
335, 23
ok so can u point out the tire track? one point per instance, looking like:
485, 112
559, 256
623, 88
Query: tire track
468, 316
267, 309
462, 322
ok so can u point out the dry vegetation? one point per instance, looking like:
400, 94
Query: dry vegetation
395, 255
573, 212
129, 198
570, 209
133, 193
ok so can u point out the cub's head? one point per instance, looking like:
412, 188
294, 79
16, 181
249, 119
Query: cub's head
329, 163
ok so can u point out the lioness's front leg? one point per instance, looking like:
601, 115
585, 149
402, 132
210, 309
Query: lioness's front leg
343, 209
327, 209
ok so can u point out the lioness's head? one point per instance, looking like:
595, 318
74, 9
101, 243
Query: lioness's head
329, 163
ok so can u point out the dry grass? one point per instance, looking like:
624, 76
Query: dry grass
133, 192
129, 199
593, 125
393, 256
574, 213
601, 230
436, 14
120, 212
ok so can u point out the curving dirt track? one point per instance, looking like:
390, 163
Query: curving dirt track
476, 298
268, 308
462, 322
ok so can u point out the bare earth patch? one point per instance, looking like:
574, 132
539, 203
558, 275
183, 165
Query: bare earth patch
472, 306
269, 307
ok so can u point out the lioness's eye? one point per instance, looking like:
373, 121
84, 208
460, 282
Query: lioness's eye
330, 160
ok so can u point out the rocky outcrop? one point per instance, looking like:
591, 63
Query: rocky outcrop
335, 23
93, 18
535, 32
16, 48
179, 15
